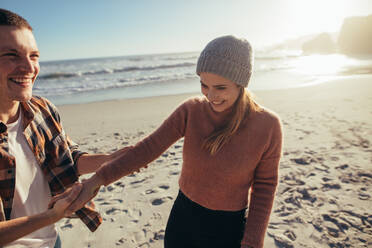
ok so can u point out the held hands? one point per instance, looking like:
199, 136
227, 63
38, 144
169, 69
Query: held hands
59, 203
79, 194
89, 190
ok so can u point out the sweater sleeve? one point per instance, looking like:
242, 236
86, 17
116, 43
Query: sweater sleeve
263, 190
148, 149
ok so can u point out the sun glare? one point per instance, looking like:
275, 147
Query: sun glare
318, 15
322, 64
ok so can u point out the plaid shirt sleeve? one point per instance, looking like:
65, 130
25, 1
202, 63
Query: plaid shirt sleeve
74, 148
60, 156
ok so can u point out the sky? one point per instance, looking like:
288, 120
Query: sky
72, 29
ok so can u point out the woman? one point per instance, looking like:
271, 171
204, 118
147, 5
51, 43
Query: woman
231, 153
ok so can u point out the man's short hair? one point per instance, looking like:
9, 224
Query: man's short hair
8, 18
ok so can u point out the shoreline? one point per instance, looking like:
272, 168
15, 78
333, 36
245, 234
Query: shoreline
178, 87
323, 198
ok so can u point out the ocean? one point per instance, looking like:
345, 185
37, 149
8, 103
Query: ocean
101, 79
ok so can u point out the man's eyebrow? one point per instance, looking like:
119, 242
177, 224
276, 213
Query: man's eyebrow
8, 49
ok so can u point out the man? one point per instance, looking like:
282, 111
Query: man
37, 158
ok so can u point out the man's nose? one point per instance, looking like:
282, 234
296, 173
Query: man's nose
27, 65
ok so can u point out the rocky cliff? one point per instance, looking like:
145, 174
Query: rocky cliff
356, 35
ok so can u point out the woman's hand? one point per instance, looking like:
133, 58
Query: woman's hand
89, 191
59, 203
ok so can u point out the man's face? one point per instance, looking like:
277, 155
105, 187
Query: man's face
19, 64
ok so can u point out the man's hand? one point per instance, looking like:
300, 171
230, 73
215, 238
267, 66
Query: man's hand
60, 203
88, 192
14, 229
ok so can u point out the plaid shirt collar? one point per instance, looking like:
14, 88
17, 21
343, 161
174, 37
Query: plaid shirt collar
55, 152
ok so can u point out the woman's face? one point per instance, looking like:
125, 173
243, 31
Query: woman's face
220, 92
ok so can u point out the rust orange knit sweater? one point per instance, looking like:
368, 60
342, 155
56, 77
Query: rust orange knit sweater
248, 164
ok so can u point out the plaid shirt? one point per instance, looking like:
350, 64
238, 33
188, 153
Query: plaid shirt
54, 151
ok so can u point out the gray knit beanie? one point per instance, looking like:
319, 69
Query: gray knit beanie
229, 57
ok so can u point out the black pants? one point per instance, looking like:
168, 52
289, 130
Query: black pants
193, 226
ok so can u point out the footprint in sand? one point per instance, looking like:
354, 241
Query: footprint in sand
110, 188
173, 173
329, 186
152, 191
293, 200
138, 181
364, 196
280, 241
120, 184
342, 167
159, 201
120, 242
159, 235
164, 186
305, 195
113, 211
292, 180
326, 179
366, 175
290, 234
334, 226
67, 226
144, 245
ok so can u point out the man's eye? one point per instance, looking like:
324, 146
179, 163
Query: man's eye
35, 56
10, 54
221, 88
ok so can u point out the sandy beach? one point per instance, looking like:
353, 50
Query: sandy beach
324, 196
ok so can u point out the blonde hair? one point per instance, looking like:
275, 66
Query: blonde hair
243, 106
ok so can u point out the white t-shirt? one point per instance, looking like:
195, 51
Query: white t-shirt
32, 193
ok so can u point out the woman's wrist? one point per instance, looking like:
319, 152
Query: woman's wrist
96, 181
